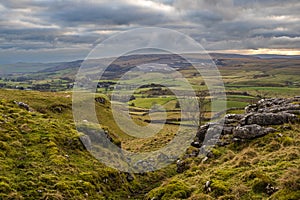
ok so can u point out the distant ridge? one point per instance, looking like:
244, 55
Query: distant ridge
62, 66
225, 55
275, 56
23, 68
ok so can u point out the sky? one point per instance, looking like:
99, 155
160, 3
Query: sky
65, 30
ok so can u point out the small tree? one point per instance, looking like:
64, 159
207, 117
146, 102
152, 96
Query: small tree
202, 102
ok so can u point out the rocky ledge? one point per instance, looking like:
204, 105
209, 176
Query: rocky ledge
255, 122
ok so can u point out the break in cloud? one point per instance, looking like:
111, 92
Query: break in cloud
54, 30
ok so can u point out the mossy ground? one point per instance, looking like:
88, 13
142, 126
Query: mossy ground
42, 157
246, 170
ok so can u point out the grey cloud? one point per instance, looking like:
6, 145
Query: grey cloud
207, 18
69, 13
227, 24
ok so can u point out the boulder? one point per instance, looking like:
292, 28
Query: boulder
234, 116
129, 177
22, 105
101, 100
289, 107
85, 139
251, 131
182, 166
251, 108
196, 143
268, 118
227, 130
201, 133
214, 131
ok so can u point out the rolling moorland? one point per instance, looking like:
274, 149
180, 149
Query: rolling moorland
42, 157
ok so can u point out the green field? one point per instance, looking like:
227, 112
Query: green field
150, 102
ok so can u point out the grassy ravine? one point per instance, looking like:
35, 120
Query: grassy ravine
41, 157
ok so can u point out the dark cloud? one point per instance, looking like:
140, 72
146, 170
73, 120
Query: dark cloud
106, 14
227, 24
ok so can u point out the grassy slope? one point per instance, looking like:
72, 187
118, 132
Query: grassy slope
242, 171
41, 156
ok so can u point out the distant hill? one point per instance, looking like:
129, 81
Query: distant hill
63, 66
133, 60
21, 67
274, 56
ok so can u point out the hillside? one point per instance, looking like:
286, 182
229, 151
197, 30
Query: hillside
257, 157
42, 157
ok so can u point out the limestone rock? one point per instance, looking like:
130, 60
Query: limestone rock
251, 131
268, 118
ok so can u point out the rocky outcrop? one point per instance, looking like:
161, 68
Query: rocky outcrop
268, 118
273, 105
101, 100
251, 131
236, 128
254, 123
94, 134
22, 105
